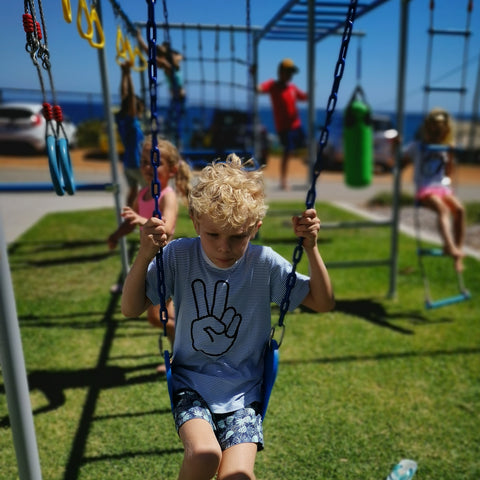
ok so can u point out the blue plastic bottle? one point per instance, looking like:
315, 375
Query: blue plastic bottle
404, 470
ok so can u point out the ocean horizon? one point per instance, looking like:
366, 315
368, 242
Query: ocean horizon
81, 107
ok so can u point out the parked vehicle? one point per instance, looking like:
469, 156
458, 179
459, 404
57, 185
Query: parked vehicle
23, 126
384, 138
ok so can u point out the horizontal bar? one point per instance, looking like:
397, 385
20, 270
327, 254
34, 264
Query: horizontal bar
197, 26
291, 6
448, 301
463, 33
359, 224
48, 187
445, 89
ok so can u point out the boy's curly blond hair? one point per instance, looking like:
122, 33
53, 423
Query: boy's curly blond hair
229, 195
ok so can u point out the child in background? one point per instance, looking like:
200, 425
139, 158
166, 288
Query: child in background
130, 132
284, 96
169, 60
171, 166
433, 168
222, 287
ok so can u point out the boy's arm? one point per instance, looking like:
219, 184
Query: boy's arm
320, 297
134, 298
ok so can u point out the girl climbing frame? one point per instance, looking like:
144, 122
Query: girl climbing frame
272, 348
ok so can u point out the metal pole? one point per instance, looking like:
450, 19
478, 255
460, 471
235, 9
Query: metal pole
402, 71
471, 145
256, 115
197, 26
312, 146
15, 377
112, 149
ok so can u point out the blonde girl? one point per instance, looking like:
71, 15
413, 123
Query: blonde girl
172, 167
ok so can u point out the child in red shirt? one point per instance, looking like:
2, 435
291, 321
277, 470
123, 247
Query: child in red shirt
284, 96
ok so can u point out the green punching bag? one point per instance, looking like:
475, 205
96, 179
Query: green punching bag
358, 142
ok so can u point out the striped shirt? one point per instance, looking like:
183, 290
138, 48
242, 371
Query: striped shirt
222, 319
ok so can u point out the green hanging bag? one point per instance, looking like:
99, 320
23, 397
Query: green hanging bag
358, 141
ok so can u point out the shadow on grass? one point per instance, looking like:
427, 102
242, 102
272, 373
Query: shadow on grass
374, 312
70, 259
54, 383
145, 453
386, 356
52, 245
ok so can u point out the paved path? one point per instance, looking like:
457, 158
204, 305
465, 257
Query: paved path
19, 211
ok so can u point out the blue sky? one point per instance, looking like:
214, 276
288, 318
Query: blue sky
75, 63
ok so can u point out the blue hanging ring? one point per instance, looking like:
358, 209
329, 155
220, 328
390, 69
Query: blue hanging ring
63, 157
55, 173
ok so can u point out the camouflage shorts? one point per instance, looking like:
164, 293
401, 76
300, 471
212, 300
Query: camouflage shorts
241, 426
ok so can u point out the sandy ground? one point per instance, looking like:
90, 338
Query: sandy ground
85, 160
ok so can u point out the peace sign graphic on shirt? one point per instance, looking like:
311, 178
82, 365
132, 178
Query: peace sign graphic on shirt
216, 328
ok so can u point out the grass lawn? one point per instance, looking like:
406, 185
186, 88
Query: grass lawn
360, 388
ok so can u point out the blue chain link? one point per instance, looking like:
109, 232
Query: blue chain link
155, 152
311, 194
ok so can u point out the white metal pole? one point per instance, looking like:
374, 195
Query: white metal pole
15, 376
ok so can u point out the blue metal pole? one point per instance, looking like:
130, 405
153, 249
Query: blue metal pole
15, 377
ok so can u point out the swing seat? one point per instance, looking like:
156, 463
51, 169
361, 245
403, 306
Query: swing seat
432, 252
462, 297
168, 375
272, 356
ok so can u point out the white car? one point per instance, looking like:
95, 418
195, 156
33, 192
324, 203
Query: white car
23, 125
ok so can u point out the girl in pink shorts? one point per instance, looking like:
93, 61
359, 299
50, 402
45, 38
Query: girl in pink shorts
432, 158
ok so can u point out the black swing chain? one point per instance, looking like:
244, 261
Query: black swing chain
155, 152
311, 194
